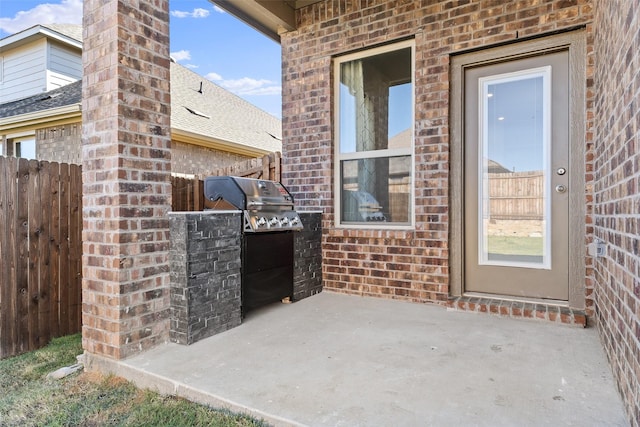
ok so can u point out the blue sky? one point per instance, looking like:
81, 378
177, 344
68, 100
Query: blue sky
204, 38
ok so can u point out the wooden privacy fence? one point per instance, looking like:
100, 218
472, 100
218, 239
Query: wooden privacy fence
40, 252
188, 193
517, 195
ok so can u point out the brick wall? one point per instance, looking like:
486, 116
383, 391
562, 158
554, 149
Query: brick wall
307, 250
205, 274
616, 191
413, 264
126, 171
62, 144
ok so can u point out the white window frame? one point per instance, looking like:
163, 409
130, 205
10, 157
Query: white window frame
388, 153
483, 184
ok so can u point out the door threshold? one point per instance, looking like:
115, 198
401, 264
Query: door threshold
555, 302
507, 306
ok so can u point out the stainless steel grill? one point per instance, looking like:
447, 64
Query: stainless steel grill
269, 221
267, 205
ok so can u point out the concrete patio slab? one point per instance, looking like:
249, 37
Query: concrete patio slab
339, 360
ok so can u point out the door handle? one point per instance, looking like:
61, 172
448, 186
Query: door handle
561, 188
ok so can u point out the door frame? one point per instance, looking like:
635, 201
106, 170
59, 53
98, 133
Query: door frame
575, 43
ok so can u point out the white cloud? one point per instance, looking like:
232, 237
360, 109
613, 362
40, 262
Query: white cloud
180, 13
219, 9
196, 13
214, 77
65, 12
246, 85
200, 13
181, 55
191, 66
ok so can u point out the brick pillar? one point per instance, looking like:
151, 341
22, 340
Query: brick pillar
126, 161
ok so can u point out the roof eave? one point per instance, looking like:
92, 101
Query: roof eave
187, 137
33, 33
271, 18
49, 117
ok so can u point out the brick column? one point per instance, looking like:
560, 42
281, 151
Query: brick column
126, 161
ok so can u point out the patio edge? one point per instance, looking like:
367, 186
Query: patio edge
168, 387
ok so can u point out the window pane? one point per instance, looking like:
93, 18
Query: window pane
400, 115
26, 149
376, 190
376, 102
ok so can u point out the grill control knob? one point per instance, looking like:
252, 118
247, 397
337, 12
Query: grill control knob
293, 220
273, 221
262, 221
284, 222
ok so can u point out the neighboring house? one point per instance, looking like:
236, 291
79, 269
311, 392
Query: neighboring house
489, 90
39, 59
210, 127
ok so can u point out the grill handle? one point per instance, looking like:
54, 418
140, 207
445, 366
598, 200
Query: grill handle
261, 204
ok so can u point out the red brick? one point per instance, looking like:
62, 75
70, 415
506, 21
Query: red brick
119, 168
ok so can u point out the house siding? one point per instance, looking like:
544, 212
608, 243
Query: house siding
414, 264
24, 72
64, 66
616, 209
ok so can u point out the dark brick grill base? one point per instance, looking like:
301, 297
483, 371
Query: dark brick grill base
205, 258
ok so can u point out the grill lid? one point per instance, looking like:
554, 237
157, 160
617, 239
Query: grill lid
266, 204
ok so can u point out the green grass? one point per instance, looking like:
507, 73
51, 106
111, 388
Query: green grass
28, 398
510, 245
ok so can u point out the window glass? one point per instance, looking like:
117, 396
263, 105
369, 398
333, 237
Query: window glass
375, 135
25, 148
376, 190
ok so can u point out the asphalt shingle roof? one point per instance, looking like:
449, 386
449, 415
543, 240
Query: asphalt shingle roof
228, 117
73, 31
60, 97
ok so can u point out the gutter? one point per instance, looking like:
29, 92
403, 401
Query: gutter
49, 117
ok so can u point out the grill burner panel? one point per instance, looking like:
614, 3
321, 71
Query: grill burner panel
267, 205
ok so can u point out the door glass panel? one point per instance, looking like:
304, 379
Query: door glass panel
514, 211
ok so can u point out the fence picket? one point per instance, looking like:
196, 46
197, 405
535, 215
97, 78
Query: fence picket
54, 251
65, 282
8, 289
42, 261
22, 260
75, 248
34, 208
